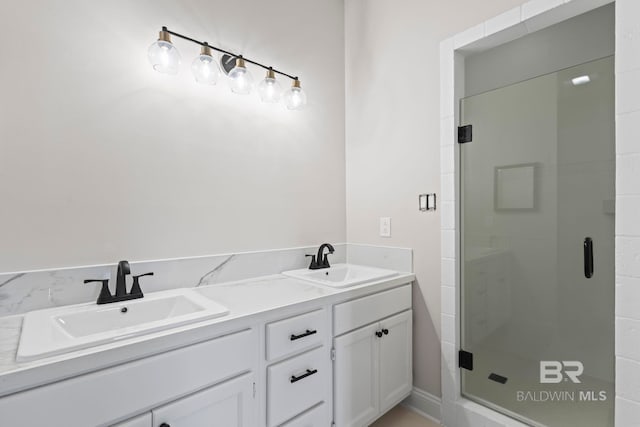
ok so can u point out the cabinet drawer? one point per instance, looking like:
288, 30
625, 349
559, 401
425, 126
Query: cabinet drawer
354, 314
315, 417
296, 384
295, 334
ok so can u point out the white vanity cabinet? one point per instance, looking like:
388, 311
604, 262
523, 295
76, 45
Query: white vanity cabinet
229, 404
298, 375
102, 397
144, 420
373, 362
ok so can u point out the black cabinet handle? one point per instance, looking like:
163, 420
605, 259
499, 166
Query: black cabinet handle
385, 331
164, 425
305, 375
379, 334
306, 334
588, 257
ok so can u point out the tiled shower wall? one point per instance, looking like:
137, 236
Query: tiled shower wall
627, 213
531, 16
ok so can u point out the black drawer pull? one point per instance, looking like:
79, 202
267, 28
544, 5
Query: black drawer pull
306, 334
379, 334
305, 375
385, 331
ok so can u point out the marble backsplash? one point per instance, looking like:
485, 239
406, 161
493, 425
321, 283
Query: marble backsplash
26, 291
22, 292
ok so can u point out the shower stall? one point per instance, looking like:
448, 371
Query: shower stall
537, 211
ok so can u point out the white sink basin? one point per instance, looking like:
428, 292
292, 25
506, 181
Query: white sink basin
60, 330
341, 275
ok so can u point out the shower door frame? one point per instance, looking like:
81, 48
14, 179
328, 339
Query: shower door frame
455, 409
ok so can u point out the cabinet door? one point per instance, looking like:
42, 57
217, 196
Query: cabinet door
356, 377
395, 360
229, 404
143, 420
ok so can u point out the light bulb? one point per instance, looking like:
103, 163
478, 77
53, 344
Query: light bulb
205, 70
163, 55
240, 79
294, 97
269, 89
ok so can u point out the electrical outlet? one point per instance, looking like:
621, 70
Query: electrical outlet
385, 227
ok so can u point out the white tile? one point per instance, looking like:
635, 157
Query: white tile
447, 159
627, 338
628, 174
448, 273
503, 21
627, 91
537, 7
448, 300
447, 215
627, 208
447, 133
628, 133
448, 243
627, 413
449, 413
447, 103
448, 329
447, 186
627, 379
628, 297
450, 359
627, 35
628, 256
469, 36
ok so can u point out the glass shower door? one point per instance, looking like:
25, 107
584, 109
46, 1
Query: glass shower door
537, 247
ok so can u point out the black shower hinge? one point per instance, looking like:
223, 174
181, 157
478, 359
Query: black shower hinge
465, 134
465, 360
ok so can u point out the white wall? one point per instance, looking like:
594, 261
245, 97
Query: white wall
392, 111
101, 158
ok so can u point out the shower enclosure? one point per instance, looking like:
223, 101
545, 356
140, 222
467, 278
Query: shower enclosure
537, 217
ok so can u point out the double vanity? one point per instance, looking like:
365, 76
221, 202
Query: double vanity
305, 348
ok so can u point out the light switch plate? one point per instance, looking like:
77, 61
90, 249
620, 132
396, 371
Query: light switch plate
385, 226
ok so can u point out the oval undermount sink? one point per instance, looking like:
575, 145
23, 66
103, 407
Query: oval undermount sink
63, 329
341, 275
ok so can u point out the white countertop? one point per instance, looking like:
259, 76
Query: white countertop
247, 301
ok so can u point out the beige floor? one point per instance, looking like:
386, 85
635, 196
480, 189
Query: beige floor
403, 417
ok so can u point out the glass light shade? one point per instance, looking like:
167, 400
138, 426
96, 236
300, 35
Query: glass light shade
294, 97
205, 69
163, 55
269, 89
241, 80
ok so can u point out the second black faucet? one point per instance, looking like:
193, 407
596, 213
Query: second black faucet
320, 260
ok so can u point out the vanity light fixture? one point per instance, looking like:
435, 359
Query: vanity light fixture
165, 58
241, 80
294, 97
163, 55
205, 69
269, 89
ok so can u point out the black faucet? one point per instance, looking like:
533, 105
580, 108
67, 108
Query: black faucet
319, 261
121, 294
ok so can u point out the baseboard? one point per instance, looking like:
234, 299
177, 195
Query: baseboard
426, 404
